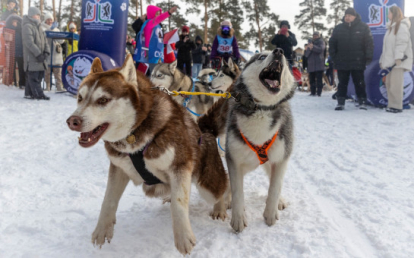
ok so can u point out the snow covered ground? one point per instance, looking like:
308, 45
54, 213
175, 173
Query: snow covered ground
349, 185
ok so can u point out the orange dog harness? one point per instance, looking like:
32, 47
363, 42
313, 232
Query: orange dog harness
261, 151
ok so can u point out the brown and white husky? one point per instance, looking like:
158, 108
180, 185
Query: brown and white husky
134, 121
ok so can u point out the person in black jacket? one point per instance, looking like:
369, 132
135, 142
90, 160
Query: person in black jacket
351, 48
285, 40
199, 54
304, 59
184, 48
207, 60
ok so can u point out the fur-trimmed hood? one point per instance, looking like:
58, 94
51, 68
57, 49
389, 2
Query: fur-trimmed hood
221, 34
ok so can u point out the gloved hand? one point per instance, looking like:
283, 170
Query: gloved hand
54, 25
398, 62
41, 58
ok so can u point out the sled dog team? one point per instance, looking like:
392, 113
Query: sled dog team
153, 141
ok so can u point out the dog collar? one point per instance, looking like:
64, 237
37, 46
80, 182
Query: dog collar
261, 151
249, 103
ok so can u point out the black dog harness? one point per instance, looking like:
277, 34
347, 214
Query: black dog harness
139, 164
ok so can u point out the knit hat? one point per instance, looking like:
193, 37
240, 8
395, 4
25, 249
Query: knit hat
49, 16
316, 33
33, 11
226, 23
284, 23
11, 1
351, 11
72, 26
185, 29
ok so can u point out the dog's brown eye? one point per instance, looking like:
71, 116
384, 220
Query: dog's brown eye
80, 98
103, 101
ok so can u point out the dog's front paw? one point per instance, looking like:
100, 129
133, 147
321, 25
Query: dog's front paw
238, 222
184, 242
271, 216
103, 231
282, 204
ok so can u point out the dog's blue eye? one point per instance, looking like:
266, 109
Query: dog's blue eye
221, 75
262, 57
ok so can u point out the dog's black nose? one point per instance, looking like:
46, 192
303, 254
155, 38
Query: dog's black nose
278, 51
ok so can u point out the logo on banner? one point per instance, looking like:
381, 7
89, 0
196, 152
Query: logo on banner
378, 14
98, 12
408, 88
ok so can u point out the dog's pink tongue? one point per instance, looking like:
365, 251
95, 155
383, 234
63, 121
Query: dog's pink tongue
85, 136
273, 84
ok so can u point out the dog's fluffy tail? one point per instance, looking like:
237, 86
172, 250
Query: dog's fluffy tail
214, 121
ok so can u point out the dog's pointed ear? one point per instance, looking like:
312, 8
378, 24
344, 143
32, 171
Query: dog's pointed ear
223, 62
96, 66
173, 66
159, 61
129, 72
231, 64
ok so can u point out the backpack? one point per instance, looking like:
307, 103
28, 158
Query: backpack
412, 34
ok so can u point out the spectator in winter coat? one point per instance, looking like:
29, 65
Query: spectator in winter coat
11, 9
35, 50
305, 60
225, 44
154, 37
397, 46
184, 47
72, 44
351, 47
199, 54
48, 25
129, 45
207, 61
315, 53
14, 22
285, 40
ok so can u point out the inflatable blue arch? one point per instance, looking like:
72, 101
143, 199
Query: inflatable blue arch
104, 28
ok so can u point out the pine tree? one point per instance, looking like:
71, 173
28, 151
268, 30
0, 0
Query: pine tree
207, 5
338, 8
176, 20
309, 17
260, 19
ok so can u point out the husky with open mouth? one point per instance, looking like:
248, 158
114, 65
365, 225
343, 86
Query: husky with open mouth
259, 127
150, 140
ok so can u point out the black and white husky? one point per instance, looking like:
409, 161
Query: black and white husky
259, 127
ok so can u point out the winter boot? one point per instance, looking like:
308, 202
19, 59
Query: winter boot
363, 104
341, 104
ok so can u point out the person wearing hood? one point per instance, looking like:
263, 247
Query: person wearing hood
36, 51
184, 47
49, 25
14, 22
397, 49
286, 40
154, 37
11, 9
351, 48
315, 54
72, 45
199, 54
225, 43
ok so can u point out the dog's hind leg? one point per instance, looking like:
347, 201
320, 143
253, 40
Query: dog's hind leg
117, 181
180, 196
276, 173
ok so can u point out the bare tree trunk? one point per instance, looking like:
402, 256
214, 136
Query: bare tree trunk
54, 11
313, 18
205, 22
30, 4
41, 7
71, 11
21, 7
256, 11
169, 17
140, 4
136, 9
60, 10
